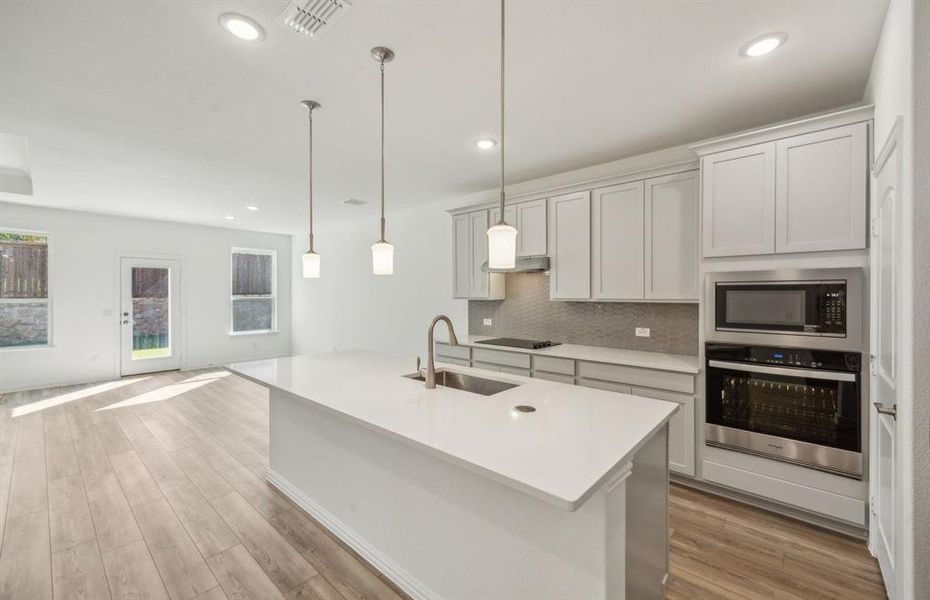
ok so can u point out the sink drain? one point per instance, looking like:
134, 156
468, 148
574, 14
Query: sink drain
523, 408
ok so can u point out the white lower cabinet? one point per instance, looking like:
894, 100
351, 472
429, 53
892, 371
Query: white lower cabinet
623, 379
680, 429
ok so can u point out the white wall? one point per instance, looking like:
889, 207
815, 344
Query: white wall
890, 88
921, 112
348, 307
84, 285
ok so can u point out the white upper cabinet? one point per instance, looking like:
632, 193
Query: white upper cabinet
532, 228
510, 215
530, 220
739, 201
470, 252
479, 254
790, 187
820, 200
617, 242
671, 237
570, 246
461, 251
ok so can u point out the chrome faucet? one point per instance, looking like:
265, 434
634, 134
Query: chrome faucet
430, 364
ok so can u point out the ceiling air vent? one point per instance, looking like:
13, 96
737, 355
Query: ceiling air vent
314, 17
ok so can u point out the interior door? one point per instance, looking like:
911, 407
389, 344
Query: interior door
149, 315
886, 246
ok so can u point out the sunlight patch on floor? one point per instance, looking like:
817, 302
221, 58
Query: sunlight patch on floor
168, 391
27, 409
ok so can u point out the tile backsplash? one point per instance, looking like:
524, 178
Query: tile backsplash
528, 313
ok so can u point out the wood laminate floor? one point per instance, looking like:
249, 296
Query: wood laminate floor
153, 487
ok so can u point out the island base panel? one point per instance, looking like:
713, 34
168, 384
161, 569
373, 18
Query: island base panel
439, 530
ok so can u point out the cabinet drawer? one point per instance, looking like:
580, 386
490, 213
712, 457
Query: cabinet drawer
557, 377
605, 385
450, 351
565, 366
501, 357
664, 380
661, 395
460, 362
515, 370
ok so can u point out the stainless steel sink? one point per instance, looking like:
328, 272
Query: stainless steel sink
467, 383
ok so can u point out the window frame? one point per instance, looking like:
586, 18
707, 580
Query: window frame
274, 290
49, 340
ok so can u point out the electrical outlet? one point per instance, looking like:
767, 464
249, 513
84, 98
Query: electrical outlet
488, 322
642, 332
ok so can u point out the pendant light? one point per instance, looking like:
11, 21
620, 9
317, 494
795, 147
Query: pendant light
502, 237
382, 252
311, 260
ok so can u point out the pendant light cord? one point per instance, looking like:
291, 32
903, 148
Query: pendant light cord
310, 171
502, 221
382, 150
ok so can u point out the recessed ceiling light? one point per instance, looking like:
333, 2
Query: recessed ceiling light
252, 207
230, 218
486, 144
242, 27
763, 45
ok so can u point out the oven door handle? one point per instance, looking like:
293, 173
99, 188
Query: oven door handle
805, 373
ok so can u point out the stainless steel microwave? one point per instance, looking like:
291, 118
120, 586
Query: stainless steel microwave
816, 308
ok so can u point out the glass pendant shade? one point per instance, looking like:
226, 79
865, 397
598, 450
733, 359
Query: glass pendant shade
502, 246
311, 264
382, 258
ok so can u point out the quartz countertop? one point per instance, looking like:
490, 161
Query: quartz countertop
573, 444
680, 363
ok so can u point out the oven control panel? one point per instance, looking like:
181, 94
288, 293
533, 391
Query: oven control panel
788, 357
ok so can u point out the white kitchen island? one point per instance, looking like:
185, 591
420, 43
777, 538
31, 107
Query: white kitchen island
453, 494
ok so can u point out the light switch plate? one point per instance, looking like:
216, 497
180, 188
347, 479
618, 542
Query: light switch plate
488, 322
642, 332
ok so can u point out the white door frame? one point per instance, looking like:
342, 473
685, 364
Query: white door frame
180, 344
887, 545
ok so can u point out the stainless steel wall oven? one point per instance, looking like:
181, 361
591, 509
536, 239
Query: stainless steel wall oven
791, 404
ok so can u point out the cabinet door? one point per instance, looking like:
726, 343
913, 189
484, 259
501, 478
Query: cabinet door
738, 194
478, 286
617, 242
570, 240
461, 255
510, 215
680, 429
532, 228
820, 201
672, 237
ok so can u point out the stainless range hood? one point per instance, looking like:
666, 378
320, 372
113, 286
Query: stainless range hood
524, 264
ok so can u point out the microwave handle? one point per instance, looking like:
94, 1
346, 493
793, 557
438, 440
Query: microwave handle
806, 373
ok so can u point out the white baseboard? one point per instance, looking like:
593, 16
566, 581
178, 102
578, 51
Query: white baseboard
406, 582
53, 384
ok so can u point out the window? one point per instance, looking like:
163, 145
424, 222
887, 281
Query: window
253, 291
24, 302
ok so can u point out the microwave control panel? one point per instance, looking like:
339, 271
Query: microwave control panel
832, 300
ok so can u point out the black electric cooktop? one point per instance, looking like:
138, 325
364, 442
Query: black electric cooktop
518, 343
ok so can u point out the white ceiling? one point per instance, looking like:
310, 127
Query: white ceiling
150, 109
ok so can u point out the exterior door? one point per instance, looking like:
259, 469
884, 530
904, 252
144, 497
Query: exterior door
149, 315
885, 253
